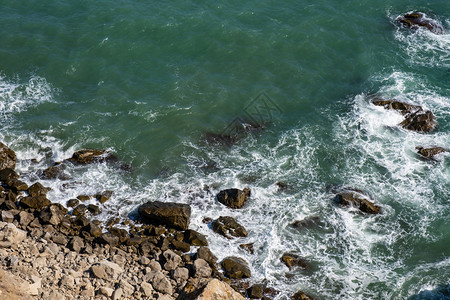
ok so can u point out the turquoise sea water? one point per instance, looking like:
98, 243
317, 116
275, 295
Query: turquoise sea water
148, 80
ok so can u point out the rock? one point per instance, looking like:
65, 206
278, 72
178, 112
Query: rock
174, 215
172, 260
17, 185
109, 239
25, 218
416, 20
160, 283
255, 292
301, 296
206, 254
293, 261
195, 238
104, 196
88, 156
233, 198
8, 174
402, 107
181, 246
59, 238
217, 289
147, 289
93, 230
53, 172
122, 234
80, 210
307, 223
117, 294
7, 216
357, 199
420, 121
105, 291
94, 209
7, 157
202, 268
181, 274
228, 227
37, 202
430, 152
83, 198
247, 247
67, 282
106, 270
53, 214
10, 235
127, 288
73, 202
235, 267
76, 244
37, 189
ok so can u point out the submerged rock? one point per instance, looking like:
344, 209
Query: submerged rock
228, 227
234, 198
358, 199
293, 261
176, 215
402, 107
430, 152
235, 267
416, 20
88, 156
7, 157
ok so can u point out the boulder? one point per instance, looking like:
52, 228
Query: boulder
10, 235
202, 268
217, 289
104, 196
174, 215
37, 202
402, 107
7, 216
160, 282
301, 296
37, 189
248, 247
54, 172
255, 291
206, 254
417, 20
108, 239
88, 156
235, 267
122, 234
76, 244
94, 209
307, 223
53, 214
180, 274
17, 185
358, 199
80, 210
73, 202
172, 260
106, 270
7, 157
293, 260
195, 238
93, 230
8, 174
181, 246
25, 218
228, 227
234, 198
430, 152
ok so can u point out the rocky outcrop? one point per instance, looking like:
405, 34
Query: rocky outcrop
293, 261
416, 118
228, 227
216, 289
357, 199
10, 235
88, 156
236, 268
7, 157
171, 214
37, 202
417, 20
233, 198
430, 152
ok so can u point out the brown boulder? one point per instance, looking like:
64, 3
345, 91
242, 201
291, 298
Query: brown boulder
88, 156
54, 214
37, 202
293, 261
430, 152
104, 196
7, 157
176, 215
357, 199
420, 121
195, 238
37, 189
8, 174
234, 198
236, 267
416, 20
228, 227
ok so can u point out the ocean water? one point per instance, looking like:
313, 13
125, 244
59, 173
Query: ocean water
151, 81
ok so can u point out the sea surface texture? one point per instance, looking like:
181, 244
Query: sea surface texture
200, 96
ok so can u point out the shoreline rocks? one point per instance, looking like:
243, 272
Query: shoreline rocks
172, 214
233, 198
417, 20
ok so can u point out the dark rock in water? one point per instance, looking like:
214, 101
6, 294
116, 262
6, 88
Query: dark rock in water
420, 121
221, 139
228, 227
440, 292
234, 198
37, 202
88, 156
307, 223
206, 254
357, 199
417, 19
94, 209
7, 157
80, 210
430, 152
55, 172
301, 296
83, 198
282, 186
195, 238
416, 118
247, 247
236, 268
54, 214
17, 185
92, 229
73, 202
104, 196
8, 174
37, 189
172, 214
293, 260
255, 291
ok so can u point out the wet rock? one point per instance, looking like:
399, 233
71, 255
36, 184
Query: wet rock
88, 156
104, 196
17, 185
357, 199
73, 202
37, 202
37, 189
195, 238
233, 198
93, 230
307, 223
430, 152
10, 235
402, 107
53, 214
255, 292
235, 267
94, 209
206, 254
122, 234
228, 227
420, 121
417, 20
7, 157
8, 174
217, 289
293, 261
221, 139
55, 172
83, 198
174, 215
301, 296
80, 210
247, 247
